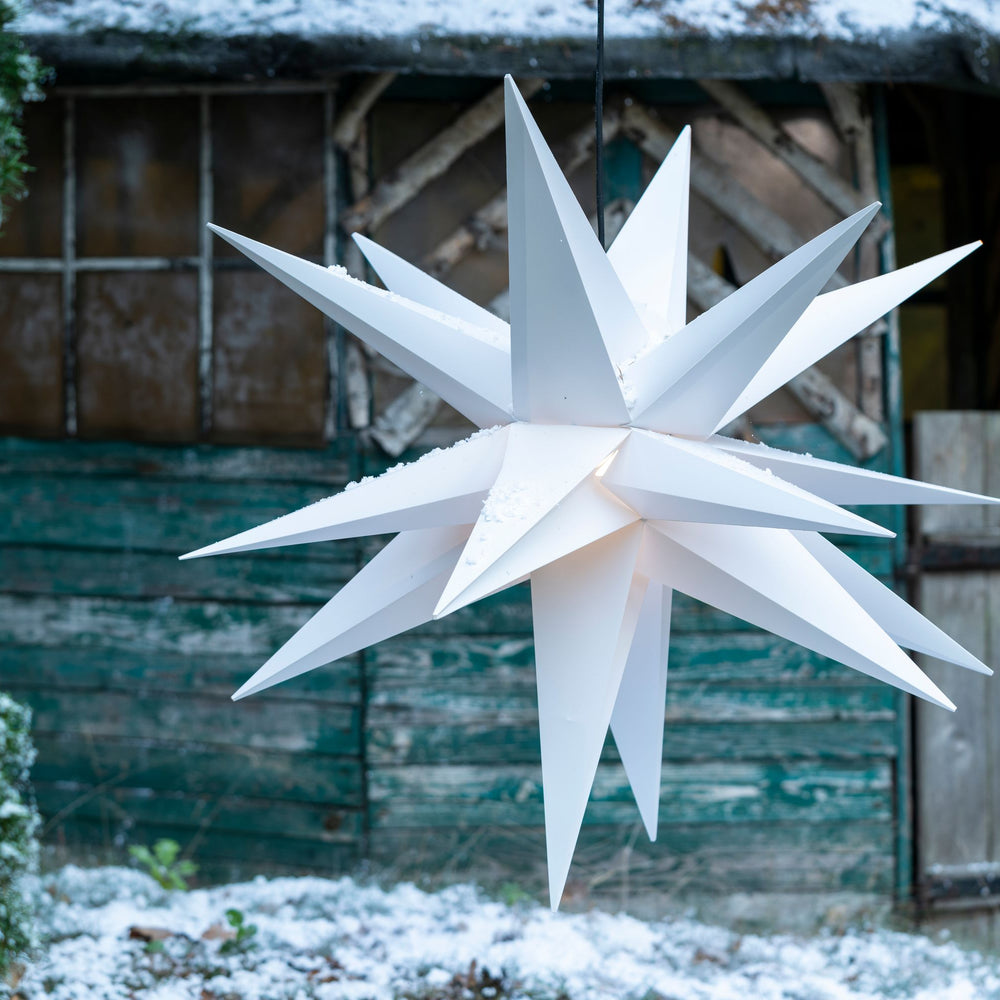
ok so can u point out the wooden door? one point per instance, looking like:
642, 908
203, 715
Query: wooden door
957, 551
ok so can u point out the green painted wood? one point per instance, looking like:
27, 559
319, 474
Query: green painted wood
233, 814
432, 704
508, 738
159, 766
776, 758
333, 465
285, 576
498, 663
221, 855
71, 669
172, 516
618, 860
266, 724
690, 792
194, 628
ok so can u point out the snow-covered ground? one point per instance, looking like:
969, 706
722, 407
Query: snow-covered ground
322, 938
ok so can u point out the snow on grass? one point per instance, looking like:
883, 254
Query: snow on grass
323, 938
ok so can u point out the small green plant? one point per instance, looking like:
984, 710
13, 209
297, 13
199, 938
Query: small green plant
245, 932
164, 864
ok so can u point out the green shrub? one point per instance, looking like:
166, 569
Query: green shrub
18, 829
21, 79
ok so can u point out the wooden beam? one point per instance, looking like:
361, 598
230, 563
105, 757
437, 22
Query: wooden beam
765, 227
431, 160
849, 109
831, 187
352, 117
487, 227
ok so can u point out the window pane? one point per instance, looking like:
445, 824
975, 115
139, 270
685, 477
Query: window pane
138, 355
33, 227
137, 163
270, 362
30, 354
268, 166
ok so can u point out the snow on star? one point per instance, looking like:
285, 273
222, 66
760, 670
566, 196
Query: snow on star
600, 474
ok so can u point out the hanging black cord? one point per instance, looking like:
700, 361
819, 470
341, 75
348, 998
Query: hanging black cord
599, 120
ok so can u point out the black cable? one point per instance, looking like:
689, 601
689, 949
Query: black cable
599, 120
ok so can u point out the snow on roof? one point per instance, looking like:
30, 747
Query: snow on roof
648, 37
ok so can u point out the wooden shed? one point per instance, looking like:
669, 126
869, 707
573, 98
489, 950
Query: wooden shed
158, 392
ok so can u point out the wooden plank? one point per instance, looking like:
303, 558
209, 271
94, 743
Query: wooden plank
332, 465
285, 576
140, 513
955, 751
431, 160
508, 738
221, 855
948, 449
690, 792
70, 762
197, 629
433, 702
258, 723
62, 668
265, 818
503, 664
791, 857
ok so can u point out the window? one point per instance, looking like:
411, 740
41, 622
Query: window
123, 316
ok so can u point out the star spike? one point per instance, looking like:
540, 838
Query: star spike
841, 483
833, 318
650, 252
463, 369
637, 719
551, 246
438, 489
766, 577
685, 384
904, 624
404, 278
395, 592
672, 479
578, 672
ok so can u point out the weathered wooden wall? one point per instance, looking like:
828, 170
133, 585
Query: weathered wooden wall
422, 752
783, 770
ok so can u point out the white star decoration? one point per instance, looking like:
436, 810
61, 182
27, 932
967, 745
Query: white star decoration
601, 476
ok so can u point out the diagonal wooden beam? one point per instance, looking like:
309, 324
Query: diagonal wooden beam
488, 225
829, 185
431, 160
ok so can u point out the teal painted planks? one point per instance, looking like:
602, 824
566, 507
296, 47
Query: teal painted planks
698, 858
691, 792
299, 726
74, 763
507, 738
125, 807
95, 460
167, 673
289, 576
